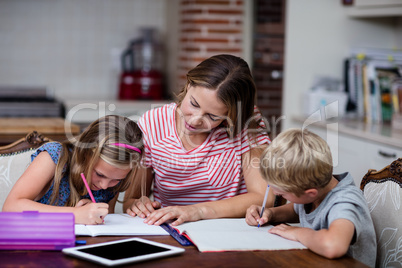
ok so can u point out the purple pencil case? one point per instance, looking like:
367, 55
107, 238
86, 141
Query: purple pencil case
33, 230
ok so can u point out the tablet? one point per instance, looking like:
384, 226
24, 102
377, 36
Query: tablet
123, 251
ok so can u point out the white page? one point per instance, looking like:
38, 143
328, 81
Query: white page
120, 224
234, 235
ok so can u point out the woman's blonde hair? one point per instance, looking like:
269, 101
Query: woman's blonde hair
95, 143
231, 77
297, 160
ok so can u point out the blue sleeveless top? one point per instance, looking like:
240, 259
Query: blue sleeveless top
54, 150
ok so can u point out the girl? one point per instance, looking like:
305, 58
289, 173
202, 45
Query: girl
203, 150
107, 153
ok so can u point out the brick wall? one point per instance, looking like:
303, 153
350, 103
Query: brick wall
207, 28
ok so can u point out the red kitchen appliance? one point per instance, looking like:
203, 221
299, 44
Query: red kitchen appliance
141, 77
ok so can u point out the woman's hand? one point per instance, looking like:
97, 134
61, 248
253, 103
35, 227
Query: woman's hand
253, 215
142, 207
179, 213
90, 213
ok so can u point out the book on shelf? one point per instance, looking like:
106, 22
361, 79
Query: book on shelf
369, 82
396, 97
386, 78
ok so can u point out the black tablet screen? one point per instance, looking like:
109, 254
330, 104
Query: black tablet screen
123, 250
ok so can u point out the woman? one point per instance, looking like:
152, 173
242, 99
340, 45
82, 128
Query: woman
202, 153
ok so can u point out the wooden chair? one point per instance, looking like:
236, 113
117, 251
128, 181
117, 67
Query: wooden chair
31, 141
14, 159
383, 192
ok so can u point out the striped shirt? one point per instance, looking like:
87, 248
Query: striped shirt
210, 172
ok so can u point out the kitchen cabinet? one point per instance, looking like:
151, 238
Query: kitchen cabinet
375, 8
357, 147
380, 155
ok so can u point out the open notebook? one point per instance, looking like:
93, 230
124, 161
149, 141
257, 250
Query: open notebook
233, 235
120, 224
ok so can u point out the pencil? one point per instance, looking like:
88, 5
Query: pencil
87, 186
264, 203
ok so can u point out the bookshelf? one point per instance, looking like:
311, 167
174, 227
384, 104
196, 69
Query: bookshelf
373, 84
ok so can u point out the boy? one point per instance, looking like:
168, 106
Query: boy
332, 211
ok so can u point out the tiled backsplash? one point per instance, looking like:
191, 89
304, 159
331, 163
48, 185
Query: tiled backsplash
71, 46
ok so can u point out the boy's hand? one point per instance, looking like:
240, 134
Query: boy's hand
284, 230
253, 215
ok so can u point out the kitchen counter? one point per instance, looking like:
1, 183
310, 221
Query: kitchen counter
54, 128
379, 133
86, 111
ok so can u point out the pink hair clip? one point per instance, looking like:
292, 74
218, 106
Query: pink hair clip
127, 146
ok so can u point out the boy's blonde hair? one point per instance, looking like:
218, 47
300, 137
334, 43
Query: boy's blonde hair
297, 160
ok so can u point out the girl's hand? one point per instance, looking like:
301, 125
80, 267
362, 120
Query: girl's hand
253, 215
90, 213
142, 207
82, 202
180, 213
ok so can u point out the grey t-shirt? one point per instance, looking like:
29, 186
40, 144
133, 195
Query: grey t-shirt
345, 201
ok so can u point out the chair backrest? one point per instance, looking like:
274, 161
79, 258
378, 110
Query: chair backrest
383, 192
14, 159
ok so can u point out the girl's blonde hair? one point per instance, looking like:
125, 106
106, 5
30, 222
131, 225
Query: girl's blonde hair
297, 160
95, 143
231, 77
